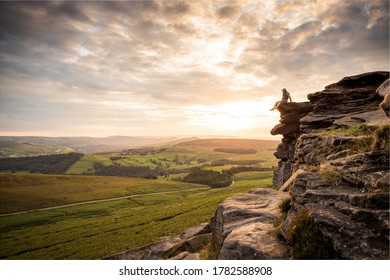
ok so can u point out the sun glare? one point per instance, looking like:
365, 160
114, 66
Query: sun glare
231, 116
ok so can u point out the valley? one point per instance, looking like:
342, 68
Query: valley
102, 215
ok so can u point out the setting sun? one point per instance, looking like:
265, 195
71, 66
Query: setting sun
231, 116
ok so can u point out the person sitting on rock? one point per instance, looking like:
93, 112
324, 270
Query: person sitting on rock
285, 97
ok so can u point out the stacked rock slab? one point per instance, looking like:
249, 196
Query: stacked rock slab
289, 127
243, 227
343, 189
349, 96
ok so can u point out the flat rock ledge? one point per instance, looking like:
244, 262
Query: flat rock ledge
243, 227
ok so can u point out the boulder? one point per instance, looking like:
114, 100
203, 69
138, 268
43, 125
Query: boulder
244, 226
383, 89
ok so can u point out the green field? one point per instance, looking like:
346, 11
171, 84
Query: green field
21, 192
183, 156
86, 225
96, 230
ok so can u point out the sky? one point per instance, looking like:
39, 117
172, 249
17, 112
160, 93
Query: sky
176, 68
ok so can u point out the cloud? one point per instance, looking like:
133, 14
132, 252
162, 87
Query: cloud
227, 12
169, 54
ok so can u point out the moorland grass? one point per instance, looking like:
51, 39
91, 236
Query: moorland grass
21, 192
97, 230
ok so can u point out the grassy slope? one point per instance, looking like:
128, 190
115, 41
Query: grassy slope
96, 230
20, 192
199, 149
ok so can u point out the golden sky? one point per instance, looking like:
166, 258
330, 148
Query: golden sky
89, 68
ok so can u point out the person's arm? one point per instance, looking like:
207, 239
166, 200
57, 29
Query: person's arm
289, 97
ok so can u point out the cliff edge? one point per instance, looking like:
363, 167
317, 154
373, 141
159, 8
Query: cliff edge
334, 160
342, 190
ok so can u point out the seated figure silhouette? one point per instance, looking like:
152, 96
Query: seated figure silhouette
285, 97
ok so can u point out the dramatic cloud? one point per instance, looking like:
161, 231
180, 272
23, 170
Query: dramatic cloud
176, 67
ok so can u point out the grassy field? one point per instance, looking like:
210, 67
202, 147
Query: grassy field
184, 155
21, 192
93, 231
103, 228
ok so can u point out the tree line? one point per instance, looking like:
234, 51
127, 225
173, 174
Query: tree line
47, 164
211, 178
127, 171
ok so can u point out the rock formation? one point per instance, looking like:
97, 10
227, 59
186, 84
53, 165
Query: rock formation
289, 127
384, 91
244, 227
339, 143
338, 203
343, 147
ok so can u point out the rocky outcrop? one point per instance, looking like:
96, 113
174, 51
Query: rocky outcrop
351, 95
244, 226
384, 91
289, 127
343, 148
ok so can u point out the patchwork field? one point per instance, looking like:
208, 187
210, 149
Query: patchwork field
198, 153
96, 230
74, 216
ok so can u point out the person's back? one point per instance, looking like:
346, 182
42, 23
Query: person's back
285, 95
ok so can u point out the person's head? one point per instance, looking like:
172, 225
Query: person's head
284, 90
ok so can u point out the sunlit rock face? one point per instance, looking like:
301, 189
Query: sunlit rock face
339, 143
384, 91
342, 146
289, 127
243, 227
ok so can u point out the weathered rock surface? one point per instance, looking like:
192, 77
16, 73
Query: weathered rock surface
289, 127
290, 114
357, 222
373, 118
345, 188
384, 91
351, 95
244, 226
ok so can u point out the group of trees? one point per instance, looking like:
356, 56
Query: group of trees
127, 171
211, 178
143, 151
238, 169
49, 164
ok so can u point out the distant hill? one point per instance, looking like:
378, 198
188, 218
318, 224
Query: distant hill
233, 143
21, 146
